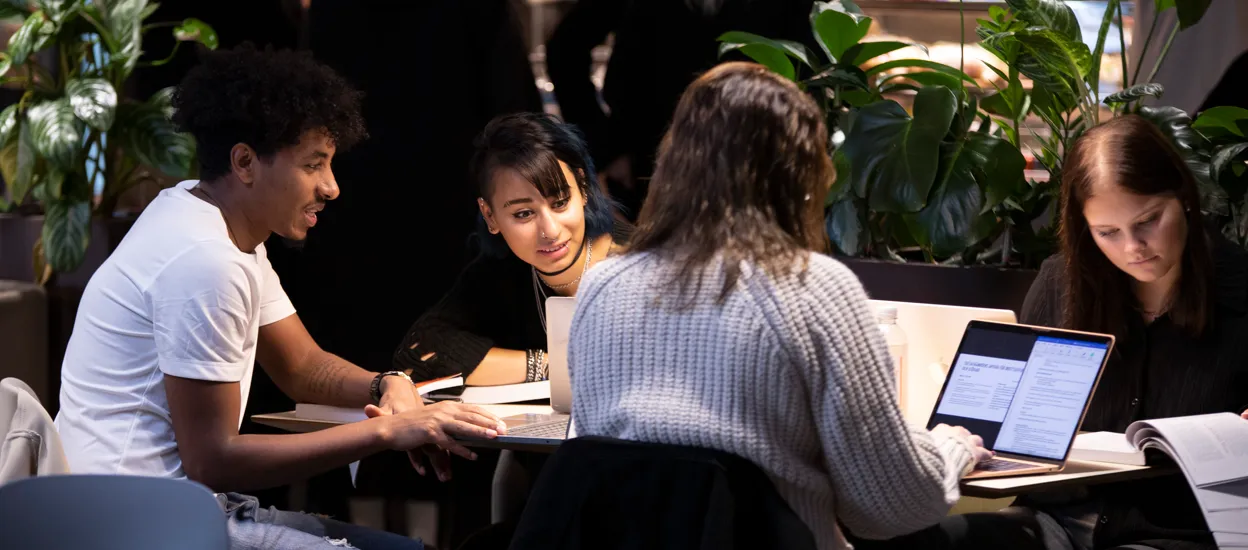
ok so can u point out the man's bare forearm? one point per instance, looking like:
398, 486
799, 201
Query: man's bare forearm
331, 380
253, 462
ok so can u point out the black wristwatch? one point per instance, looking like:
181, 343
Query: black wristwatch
374, 389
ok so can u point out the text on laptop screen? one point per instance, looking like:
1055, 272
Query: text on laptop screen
1022, 393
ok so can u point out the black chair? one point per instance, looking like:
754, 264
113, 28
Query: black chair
102, 512
607, 494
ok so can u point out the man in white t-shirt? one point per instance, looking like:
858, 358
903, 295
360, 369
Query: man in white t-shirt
158, 368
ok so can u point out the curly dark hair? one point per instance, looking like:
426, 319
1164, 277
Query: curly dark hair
267, 99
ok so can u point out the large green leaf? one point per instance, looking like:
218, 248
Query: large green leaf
6, 63
148, 134
125, 28
24, 165
94, 101
843, 223
1135, 93
735, 40
838, 31
866, 51
978, 173
922, 64
8, 124
1222, 167
771, 58
66, 231
926, 78
894, 157
194, 30
57, 133
843, 6
1051, 14
998, 167
163, 101
1191, 11
1222, 120
1054, 62
945, 225
1176, 125
31, 37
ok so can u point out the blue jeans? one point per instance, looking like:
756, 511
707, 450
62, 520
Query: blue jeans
254, 528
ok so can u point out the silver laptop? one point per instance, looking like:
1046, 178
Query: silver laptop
1025, 390
549, 429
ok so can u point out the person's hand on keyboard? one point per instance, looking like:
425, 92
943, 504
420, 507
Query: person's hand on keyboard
975, 442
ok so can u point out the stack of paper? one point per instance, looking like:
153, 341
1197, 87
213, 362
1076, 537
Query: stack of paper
1110, 447
1212, 451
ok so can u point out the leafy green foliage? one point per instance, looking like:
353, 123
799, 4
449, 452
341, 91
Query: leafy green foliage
72, 131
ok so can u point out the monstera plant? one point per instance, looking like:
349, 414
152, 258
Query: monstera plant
931, 179
72, 145
945, 177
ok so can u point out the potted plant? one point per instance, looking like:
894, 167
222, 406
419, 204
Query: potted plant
73, 145
942, 184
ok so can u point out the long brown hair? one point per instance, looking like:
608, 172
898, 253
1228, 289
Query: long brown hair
741, 172
1133, 154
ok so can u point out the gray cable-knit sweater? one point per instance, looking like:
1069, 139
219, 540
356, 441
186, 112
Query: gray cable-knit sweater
792, 374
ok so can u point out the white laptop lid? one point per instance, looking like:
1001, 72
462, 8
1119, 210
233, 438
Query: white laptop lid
933, 332
559, 310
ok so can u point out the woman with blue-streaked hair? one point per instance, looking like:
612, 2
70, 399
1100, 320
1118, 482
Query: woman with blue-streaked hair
544, 223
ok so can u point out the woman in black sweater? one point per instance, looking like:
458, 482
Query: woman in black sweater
1138, 261
544, 223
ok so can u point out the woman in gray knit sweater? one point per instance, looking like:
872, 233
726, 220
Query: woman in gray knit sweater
723, 327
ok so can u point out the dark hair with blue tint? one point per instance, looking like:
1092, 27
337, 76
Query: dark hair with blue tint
532, 144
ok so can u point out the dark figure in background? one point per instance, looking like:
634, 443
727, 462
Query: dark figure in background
660, 47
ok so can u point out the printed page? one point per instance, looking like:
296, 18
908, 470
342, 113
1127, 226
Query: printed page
1224, 506
1211, 448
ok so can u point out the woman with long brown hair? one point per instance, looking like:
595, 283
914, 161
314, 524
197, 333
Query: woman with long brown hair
1140, 262
724, 327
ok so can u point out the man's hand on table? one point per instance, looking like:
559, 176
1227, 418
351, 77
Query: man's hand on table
438, 423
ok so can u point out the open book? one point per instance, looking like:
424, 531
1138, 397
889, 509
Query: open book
1212, 451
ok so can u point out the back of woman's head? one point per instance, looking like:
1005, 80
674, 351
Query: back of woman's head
533, 145
742, 172
1129, 157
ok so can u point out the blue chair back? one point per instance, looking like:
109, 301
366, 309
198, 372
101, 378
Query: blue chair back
106, 512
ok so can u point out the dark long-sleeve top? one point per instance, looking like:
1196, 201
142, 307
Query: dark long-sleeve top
492, 305
1158, 371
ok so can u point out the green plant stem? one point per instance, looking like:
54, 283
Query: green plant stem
1148, 40
161, 25
1161, 57
962, 37
1122, 46
158, 63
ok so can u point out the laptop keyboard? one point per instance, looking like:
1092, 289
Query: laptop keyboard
554, 429
998, 465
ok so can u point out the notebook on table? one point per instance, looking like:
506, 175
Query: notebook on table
1024, 390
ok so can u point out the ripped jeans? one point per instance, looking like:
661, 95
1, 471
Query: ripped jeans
254, 528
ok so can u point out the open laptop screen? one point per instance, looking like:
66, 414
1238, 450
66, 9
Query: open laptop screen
1023, 390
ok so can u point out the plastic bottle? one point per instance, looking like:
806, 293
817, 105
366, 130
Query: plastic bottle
886, 316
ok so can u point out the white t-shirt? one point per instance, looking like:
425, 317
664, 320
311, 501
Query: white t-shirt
177, 297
